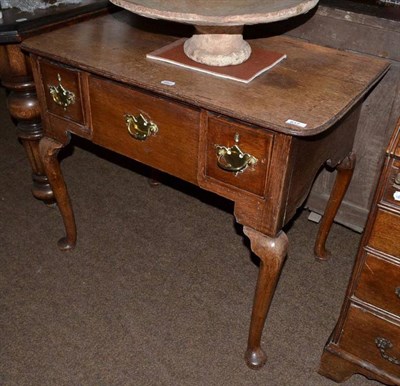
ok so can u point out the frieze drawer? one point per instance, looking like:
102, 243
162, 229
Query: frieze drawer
158, 132
373, 339
62, 91
237, 156
379, 284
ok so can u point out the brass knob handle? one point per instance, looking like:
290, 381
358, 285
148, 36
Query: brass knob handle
233, 159
384, 344
139, 127
61, 96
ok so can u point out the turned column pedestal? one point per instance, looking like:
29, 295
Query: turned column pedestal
16, 75
24, 109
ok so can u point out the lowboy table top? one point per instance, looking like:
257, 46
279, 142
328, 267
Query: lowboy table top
315, 85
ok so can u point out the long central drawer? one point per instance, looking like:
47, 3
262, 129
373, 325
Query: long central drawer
172, 144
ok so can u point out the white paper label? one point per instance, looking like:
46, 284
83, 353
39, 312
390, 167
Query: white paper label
296, 123
168, 82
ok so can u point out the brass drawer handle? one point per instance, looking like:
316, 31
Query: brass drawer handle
232, 159
139, 127
383, 345
61, 96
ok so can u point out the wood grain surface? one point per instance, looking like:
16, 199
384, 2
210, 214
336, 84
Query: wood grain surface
313, 89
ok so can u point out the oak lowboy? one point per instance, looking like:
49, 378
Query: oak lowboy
259, 145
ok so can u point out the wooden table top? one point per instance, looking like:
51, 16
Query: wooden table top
315, 85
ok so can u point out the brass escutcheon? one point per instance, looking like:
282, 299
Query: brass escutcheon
61, 96
139, 127
233, 159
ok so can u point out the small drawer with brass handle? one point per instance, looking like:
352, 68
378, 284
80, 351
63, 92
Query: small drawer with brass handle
236, 155
158, 132
62, 91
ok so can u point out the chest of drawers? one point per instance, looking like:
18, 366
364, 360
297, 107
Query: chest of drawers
366, 339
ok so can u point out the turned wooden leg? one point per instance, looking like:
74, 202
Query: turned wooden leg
344, 173
272, 253
23, 107
49, 149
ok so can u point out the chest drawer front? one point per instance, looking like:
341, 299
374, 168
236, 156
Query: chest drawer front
370, 338
379, 284
172, 144
62, 91
224, 134
385, 234
391, 194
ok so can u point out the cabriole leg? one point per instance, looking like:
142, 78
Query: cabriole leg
272, 253
344, 173
49, 149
